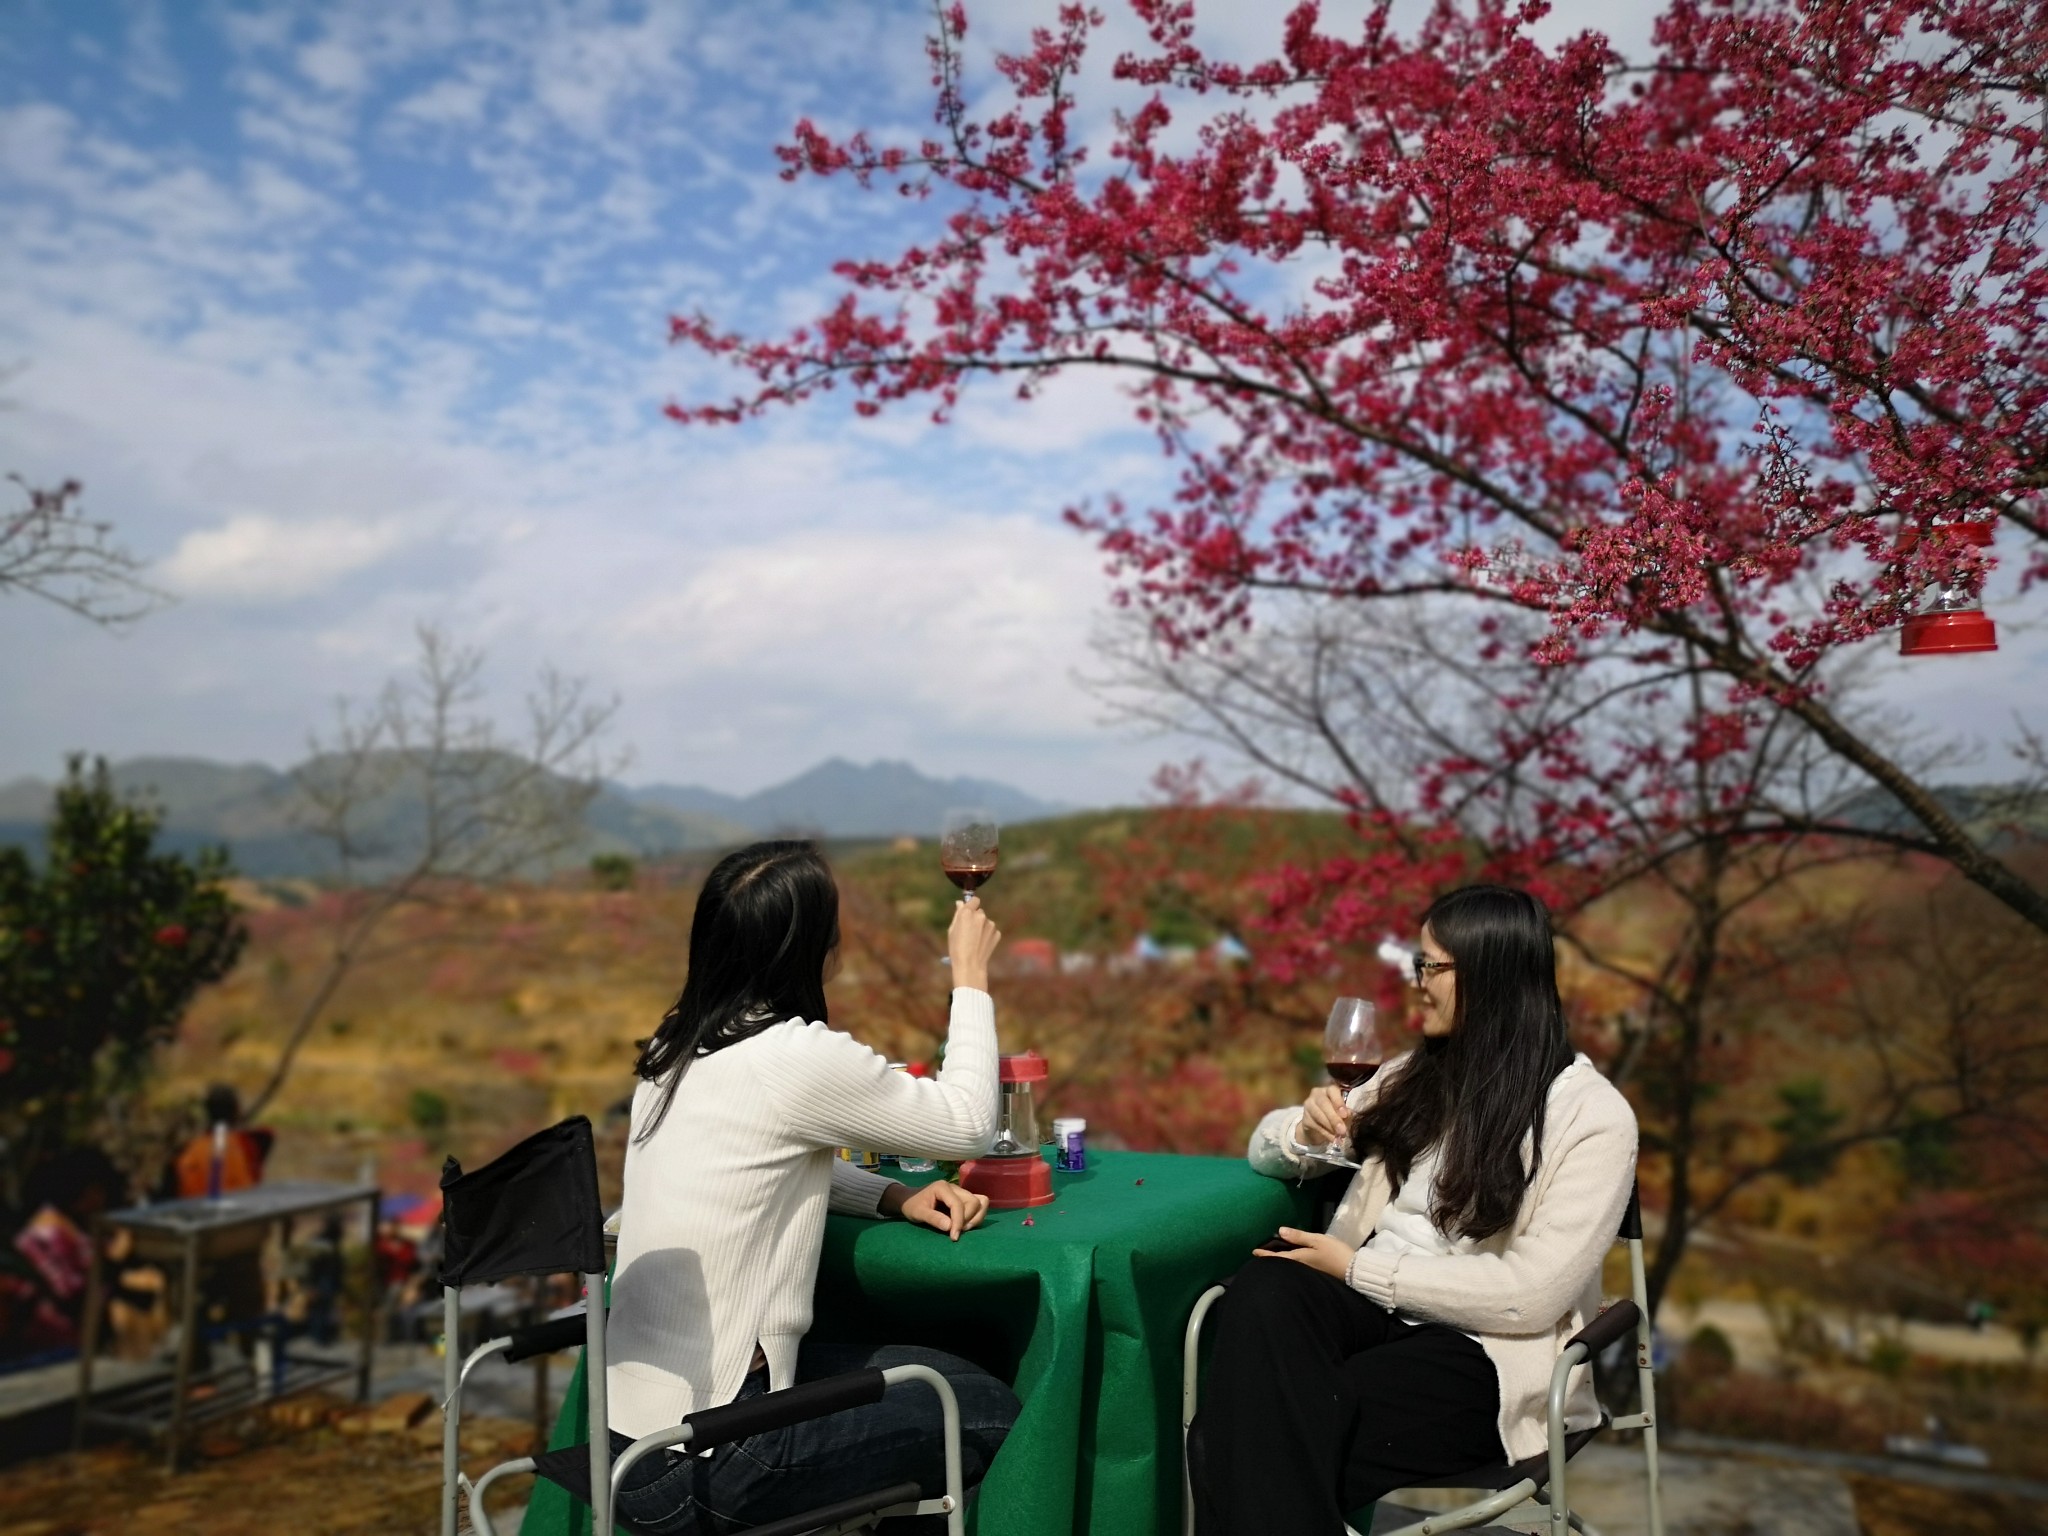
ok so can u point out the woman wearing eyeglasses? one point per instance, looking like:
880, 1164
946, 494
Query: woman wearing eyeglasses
1416, 1337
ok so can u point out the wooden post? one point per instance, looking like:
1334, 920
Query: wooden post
188, 1346
373, 1311
89, 1343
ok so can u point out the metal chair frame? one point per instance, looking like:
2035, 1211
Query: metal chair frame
1550, 1487
517, 1345
772, 1410
706, 1427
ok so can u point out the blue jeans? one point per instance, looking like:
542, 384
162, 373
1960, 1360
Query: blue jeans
899, 1439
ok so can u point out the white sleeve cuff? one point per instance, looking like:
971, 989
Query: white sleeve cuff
1372, 1275
1273, 1150
856, 1191
1294, 1143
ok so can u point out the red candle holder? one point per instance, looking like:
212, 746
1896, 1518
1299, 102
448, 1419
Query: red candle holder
1012, 1173
1948, 633
1953, 624
1011, 1183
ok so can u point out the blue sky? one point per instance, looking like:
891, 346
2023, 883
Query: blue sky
352, 316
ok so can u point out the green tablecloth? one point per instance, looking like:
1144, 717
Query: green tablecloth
1082, 1311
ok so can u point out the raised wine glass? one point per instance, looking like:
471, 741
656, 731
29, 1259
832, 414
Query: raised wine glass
968, 848
1352, 1052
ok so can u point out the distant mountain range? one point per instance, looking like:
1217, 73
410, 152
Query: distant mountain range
1991, 813
249, 807
842, 799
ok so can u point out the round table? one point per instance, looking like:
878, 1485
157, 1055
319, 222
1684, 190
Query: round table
1079, 1304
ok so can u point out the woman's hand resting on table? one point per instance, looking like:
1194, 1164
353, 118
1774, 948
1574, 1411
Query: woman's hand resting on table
1324, 1117
945, 1207
1318, 1250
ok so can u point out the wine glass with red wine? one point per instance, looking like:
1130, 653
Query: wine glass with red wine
1351, 1052
968, 849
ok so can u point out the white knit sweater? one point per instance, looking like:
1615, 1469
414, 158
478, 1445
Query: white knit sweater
724, 1214
1524, 1291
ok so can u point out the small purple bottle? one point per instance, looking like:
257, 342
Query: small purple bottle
1070, 1144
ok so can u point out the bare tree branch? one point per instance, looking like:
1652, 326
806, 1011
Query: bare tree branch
50, 549
421, 792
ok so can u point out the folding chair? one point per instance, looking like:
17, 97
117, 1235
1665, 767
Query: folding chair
535, 1211
1506, 1484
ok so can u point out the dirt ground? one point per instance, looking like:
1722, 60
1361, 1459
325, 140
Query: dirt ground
1885, 1508
317, 1467
330, 1469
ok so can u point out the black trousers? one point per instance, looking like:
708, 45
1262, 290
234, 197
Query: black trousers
1319, 1401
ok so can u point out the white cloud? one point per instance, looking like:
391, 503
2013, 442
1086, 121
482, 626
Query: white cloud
451, 101
147, 62
267, 560
281, 115
89, 200
333, 66
1068, 411
588, 69
976, 622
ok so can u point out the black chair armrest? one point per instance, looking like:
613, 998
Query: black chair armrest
1618, 1321
792, 1405
557, 1333
833, 1514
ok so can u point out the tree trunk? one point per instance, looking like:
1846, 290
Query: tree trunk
1945, 835
338, 966
1705, 944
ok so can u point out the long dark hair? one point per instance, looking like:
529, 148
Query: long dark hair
766, 921
1480, 1089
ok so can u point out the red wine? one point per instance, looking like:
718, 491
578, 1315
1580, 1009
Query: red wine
969, 876
1349, 1074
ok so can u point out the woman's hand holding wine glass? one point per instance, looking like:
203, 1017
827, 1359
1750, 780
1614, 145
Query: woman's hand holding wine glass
969, 942
1324, 1119
1351, 1054
969, 845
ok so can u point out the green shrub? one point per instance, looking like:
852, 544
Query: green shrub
1889, 1357
612, 872
1708, 1354
428, 1110
102, 949
1807, 1127
1746, 1406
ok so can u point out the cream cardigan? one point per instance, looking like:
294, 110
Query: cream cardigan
1524, 1291
724, 1216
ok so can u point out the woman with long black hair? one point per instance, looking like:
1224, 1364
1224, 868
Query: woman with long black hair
1415, 1338
745, 1091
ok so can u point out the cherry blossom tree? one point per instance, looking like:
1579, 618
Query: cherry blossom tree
1714, 361
1694, 945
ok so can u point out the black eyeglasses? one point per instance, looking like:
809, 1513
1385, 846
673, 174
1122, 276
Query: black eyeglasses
1422, 969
